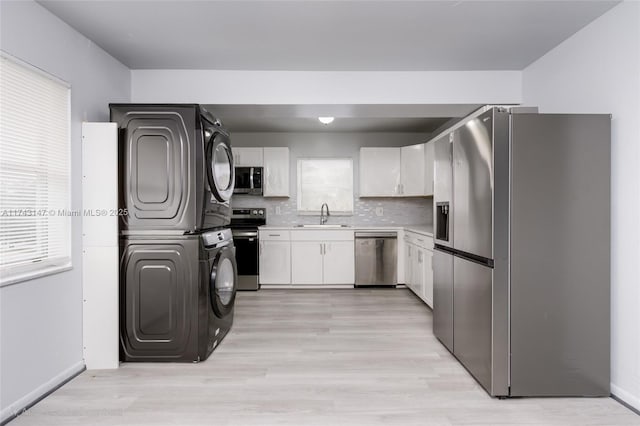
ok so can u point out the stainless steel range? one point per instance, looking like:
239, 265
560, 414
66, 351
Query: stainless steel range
244, 224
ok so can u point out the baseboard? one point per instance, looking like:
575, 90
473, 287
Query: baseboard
632, 402
38, 394
305, 286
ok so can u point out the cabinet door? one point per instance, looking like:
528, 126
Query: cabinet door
247, 157
379, 172
339, 262
427, 268
412, 170
429, 159
276, 172
418, 274
275, 262
408, 264
306, 262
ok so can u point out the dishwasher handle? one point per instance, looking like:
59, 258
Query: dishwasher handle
376, 235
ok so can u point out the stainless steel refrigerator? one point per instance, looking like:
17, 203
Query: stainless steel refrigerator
522, 251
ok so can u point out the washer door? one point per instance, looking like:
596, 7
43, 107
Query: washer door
222, 282
220, 170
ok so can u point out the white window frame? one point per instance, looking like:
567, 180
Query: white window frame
315, 210
42, 263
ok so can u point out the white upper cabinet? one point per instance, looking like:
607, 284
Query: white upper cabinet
247, 157
412, 170
276, 172
429, 159
379, 172
397, 172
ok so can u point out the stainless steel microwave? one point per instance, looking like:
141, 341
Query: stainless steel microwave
248, 180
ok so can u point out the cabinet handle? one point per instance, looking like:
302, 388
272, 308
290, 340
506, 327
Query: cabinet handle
274, 235
260, 249
320, 249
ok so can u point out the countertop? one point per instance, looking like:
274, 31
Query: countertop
426, 230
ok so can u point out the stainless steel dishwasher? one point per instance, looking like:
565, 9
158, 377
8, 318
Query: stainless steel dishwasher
376, 258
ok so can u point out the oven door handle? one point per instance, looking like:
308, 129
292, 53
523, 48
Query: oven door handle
251, 178
245, 234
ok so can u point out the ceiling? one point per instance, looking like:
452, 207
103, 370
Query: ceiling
348, 118
327, 35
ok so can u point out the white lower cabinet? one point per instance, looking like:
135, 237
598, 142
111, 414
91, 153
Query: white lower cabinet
409, 250
322, 257
419, 266
427, 268
306, 257
274, 258
306, 262
339, 263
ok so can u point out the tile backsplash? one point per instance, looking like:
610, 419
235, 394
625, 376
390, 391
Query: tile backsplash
396, 211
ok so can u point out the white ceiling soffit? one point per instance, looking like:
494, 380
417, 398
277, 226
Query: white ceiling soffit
328, 35
348, 118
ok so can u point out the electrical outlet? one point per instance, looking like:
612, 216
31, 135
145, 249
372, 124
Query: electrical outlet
278, 211
379, 211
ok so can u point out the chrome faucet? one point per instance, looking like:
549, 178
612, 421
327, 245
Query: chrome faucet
323, 218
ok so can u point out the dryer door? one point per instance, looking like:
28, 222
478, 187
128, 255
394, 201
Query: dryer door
222, 282
220, 170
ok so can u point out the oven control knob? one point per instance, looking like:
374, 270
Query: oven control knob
254, 212
261, 212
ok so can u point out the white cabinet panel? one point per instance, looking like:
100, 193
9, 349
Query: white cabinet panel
246, 157
275, 262
379, 172
276, 172
428, 277
418, 272
306, 262
429, 159
339, 262
322, 235
100, 246
412, 170
419, 266
274, 235
409, 251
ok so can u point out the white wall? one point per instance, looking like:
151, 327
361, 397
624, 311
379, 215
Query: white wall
41, 320
402, 211
598, 71
311, 87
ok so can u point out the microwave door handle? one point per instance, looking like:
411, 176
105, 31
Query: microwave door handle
251, 177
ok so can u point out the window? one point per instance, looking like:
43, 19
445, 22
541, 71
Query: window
34, 173
325, 180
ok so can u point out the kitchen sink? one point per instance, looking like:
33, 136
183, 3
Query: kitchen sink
325, 226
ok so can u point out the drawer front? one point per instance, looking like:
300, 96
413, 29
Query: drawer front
419, 240
322, 235
274, 235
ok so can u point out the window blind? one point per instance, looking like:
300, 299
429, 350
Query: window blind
35, 216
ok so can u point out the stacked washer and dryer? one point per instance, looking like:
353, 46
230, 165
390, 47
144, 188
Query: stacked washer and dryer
178, 270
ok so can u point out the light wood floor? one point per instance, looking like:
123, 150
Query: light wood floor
315, 357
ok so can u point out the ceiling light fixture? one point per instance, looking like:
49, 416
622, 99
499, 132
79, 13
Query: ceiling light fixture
325, 120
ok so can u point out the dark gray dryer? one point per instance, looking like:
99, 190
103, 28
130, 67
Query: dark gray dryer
177, 295
176, 167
